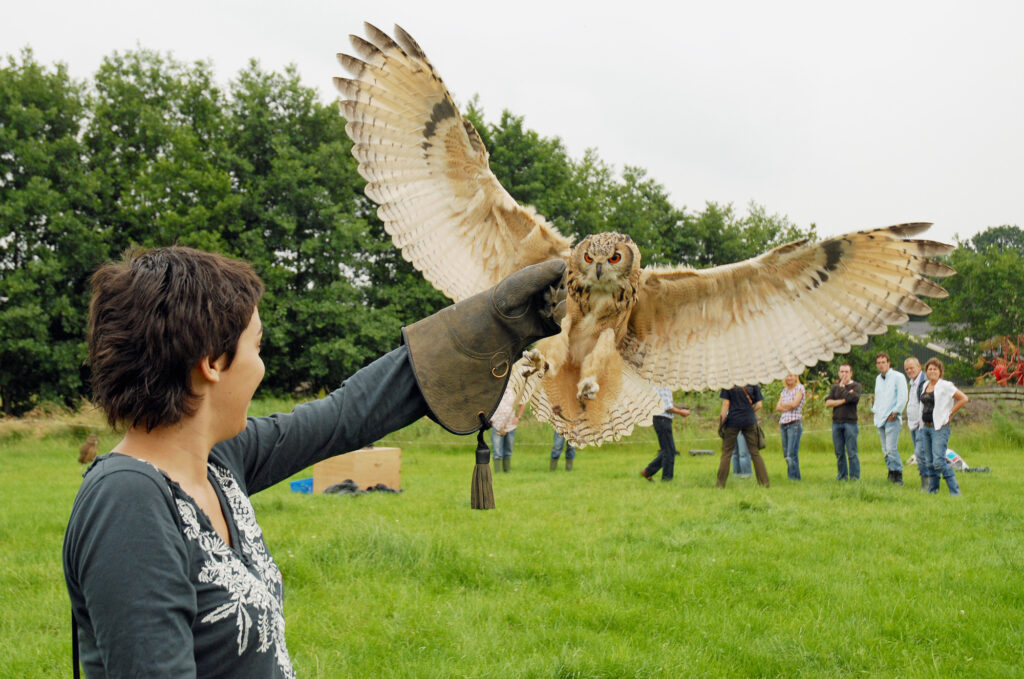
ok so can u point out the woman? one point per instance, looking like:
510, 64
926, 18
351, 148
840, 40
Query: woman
164, 561
791, 405
939, 400
503, 430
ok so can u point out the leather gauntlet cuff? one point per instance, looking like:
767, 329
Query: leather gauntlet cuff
462, 356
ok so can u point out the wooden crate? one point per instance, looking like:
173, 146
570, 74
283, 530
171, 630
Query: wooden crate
367, 467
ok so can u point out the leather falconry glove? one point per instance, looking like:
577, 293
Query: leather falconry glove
462, 356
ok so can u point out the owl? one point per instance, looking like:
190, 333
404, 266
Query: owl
627, 328
578, 364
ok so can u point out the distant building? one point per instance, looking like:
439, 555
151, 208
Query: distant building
924, 348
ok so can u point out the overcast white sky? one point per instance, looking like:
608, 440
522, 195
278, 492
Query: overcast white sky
847, 115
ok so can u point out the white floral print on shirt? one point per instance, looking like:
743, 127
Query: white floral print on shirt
254, 591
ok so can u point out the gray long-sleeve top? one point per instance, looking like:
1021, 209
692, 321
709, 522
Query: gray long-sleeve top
155, 590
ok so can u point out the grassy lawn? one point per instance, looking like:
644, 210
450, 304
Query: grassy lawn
596, 573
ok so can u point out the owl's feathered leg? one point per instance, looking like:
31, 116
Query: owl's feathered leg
556, 348
601, 370
558, 377
536, 363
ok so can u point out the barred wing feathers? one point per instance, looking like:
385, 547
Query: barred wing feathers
428, 171
757, 320
634, 404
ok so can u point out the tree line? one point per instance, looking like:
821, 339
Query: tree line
152, 151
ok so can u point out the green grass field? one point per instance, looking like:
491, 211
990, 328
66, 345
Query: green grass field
596, 573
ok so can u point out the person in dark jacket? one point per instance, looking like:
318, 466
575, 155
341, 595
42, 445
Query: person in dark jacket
843, 399
739, 416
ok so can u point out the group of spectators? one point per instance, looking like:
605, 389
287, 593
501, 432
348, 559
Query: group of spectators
929, 400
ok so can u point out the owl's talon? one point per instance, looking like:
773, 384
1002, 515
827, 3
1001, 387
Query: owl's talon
556, 410
587, 390
554, 301
538, 364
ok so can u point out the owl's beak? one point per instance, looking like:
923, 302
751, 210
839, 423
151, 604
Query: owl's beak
597, 267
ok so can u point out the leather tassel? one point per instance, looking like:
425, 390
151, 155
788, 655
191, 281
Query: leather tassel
481, 495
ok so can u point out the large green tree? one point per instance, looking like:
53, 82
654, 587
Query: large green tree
262, 171
49, 243
299, 223
719, 235
1004, 238
986, 296
154, 153
156, 143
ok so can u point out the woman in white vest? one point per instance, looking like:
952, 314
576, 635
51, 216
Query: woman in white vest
939, 400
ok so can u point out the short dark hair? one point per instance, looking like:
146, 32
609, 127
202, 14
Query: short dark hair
882, 354
937, 363
153, 316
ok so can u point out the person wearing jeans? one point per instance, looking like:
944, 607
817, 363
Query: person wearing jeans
739, 418
912, 367
556, 451
843, 399
939, 400
890, 398
741, 465
889, 435
791, 405
665, 460
503, 430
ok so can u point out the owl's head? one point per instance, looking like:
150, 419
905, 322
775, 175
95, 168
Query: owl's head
605, 260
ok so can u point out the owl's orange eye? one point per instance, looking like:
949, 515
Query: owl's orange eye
588, 259
614, 258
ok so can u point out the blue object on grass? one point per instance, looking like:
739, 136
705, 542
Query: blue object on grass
302, 486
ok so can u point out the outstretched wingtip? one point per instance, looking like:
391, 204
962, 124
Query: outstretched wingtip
909, 229
378, 37
408, 43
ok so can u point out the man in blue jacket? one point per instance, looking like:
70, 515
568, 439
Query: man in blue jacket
890, 399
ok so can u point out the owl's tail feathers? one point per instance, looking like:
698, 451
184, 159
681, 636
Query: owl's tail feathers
635, 404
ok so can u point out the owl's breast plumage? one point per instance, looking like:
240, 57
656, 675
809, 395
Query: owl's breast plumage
594, 309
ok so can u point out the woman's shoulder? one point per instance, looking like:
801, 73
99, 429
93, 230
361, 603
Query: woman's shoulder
119, 495
121, 477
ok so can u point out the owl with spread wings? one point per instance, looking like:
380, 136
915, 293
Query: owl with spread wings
627, 328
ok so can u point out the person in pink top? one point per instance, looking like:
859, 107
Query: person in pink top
503, 430
791, 406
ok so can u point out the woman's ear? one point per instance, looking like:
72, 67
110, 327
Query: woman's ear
210, 369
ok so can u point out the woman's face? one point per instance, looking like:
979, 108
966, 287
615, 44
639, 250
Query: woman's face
790, 381
933, 373
239, 380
